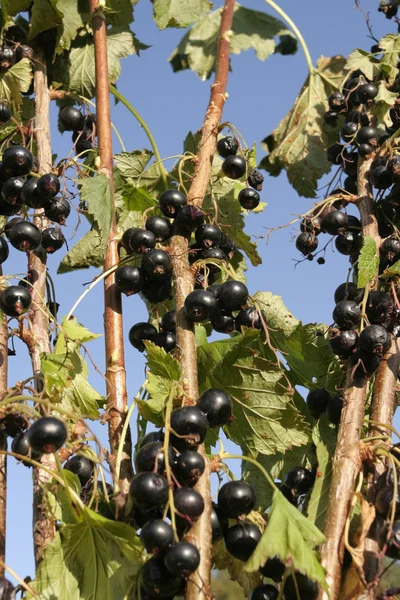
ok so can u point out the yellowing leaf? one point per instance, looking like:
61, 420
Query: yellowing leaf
179, 13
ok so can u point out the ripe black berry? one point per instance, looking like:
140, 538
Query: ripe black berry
21, 445
219, 524
213, 254
350, 185
157, 291
52, 239
364, 150
25, 236
367, 364
156, 265
347, 314
374, 339
142, 332
6, 209
368, 135
30, 195
14, 35
334, 409
342, 343
348, 243
5, 113
157, 536
11, 190
381, 177
236, 498
264, 592
48, 185
71, 119
152, 436
306, 243
182, 559
13, 424
242, 539
331, 118
222, 321
255, 180
217, 406
189, 218
366, 93
379, 308
274, 569
304, 588
384, 499
24, 51
149, 490
15, 300
348, 291
57, 210
150, 457
4, 250
234, 167
82, 466
129, 279
200, 305
249, 198
138, 240
168, 322
317, 401
390, 249
335, 222
7, 58
160, 227
311, 225
208, 236
233, 295
166, 340
227, 146
336, 154
299, 480
47, 435
188, 503
229, 247
171, 202
17, 160
189, 467
157, 581
337, 102
348, 131
190, 425
353, 224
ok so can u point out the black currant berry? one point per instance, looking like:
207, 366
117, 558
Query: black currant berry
380, 308
368, 135
337, 102
381, 177
5, 113
274, 569
367, 364
265, 592
149, 490
311, 225
156, 265
390, 249
350, 168
188, 503
365, 150
140, 333
152, 436
13, 424
242, 539
21, 445
348, 291
157, 536
348, 131
166, 340
141, 517
299, 480
236, 498
331, 118
189, 467
374, 339
190, 217
342, 343
208, 236
182, 559
160, 227
157, 291
138, 240
52, 239
25, 236
200, 305
334, 409
219, 523
217, 406
366, 93
287, 493
234, 167
335, 222
222, 321
306, 243
14, 35
83, 145
71, 119
384, 500
317, 401
227, 146
30, 195
190, 425
347, 314
255, 180
15, 300
168, 322
82, 466
171, 202
350, 185
233, 295
336, 154
4, 250
157, 581
6, 209
394, 166
11, 190
17, 160
129, 279
150, 457
47, 435
48, 185
229, 247
304, 588
249, 198
348, 243
57, 210
213, 254
7, 58
24, 51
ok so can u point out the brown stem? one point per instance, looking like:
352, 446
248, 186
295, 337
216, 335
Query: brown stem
346, 460
198, 586
117, 396
3, 439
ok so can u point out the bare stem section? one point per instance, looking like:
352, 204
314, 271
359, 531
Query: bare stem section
117, 397
198, 586
3, 439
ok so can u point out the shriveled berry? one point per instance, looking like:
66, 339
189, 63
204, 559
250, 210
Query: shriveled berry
227, 146
347, 314
255, 180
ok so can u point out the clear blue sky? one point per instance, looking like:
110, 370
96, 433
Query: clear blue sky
172, 104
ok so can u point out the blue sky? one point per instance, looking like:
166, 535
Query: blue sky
260, 94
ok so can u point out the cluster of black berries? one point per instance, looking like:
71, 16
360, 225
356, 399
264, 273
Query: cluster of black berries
14, 48
82, 126
235, 167
173, 560
320, 401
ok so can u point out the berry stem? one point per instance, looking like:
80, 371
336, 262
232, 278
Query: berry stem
3, 438
117, 396
143, 124
226, 456
296, 31
115, 130
169, 408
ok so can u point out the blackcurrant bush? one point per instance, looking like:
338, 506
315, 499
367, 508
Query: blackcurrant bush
157, 581
347, 314
249, 198
337, 102
335, 222
166, 340
157, 536
21, 445
317, 401
348, 291
217, 406
368, 135
150, 457
129, 279
71, 119
138, 240
171, 202
52, 239
82, 466
168, 321
236, 498
334, 409
15, 300
208, 236
157, 291
17, 160
366, 93
300, 480
222, 321
5, 113
188, 503
25, 236
189, 218
149, 490
264, 592
227, 146
140, 333
200, 305
348, 243
242, 539
182, 559
306, 243
47, 435
13, 424
232, 295
304, 588
274, 569
189, 467
4, 250
374, 339
234, 167
189, 425
255, 180
57, 210
160, 227
11, 190
156, 265
342, 343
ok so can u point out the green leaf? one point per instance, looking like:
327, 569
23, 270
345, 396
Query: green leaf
390, 44
95, 193
175, 13
88, 252
251, 29
363, 60
368, 262
13, 7
82, 398
44, 16
292, 537
132, 164
94, 559
58, 373
72, 19
77, 332
223, 560
120, 12
392, 270
324, 438
383, 103
16, 80
265, 419
136, 199
299, 143
305, 347
163, 374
